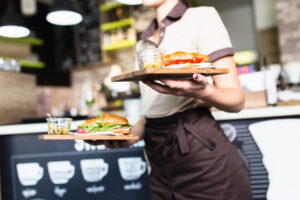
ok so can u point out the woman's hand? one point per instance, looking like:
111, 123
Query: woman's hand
225, 94
138, 129
195, 88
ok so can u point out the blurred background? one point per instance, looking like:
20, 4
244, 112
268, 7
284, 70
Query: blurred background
70, 65
61, 63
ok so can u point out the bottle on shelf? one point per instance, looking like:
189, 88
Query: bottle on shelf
131, 35
270, 79
120, 35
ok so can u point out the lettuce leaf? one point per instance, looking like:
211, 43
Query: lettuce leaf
97, 128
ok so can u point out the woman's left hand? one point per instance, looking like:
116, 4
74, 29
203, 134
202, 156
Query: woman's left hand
195, 88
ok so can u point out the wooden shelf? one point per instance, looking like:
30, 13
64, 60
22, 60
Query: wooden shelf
109, 6
31, 64
28, 63
29, 40
119, 45
117, 24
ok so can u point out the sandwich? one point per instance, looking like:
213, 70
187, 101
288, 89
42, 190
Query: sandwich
182, 59
105, 123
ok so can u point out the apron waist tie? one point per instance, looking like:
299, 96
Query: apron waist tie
170, 142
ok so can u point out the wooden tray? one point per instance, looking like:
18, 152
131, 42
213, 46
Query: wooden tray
156, 73
88, 137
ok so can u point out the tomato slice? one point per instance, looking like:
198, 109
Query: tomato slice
168, 62
181, 61
81, 130
197, 60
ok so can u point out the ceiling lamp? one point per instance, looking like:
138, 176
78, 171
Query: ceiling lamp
131, 2
62, 14
11, 24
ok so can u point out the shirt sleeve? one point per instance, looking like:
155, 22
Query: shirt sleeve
213, 38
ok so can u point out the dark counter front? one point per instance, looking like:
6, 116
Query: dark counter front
49, 170
270, 148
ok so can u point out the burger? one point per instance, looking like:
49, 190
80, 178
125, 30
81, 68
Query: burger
182, 59
105, 123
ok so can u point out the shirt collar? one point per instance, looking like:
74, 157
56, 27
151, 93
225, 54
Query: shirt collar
175, 14
178, 11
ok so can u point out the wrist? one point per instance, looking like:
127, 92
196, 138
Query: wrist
207, 92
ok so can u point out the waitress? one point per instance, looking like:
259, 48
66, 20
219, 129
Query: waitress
189, 155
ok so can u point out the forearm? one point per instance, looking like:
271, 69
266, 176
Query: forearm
226, 99
226, 93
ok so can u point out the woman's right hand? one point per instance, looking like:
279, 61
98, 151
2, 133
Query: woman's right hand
138, 129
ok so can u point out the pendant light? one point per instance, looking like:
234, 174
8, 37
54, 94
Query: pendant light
62, 14
11, 24
131, 2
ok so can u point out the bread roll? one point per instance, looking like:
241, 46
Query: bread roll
109, 119
91, 121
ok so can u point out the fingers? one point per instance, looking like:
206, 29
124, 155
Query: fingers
94, 142
177, 84
162, 88
200, 79
115, 144
179, 87
112, 144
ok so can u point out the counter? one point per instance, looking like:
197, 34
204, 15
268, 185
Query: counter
269, 141
253, 113
259, 113
256, 133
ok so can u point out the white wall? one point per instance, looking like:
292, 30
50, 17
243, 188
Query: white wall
265, 13
238, 17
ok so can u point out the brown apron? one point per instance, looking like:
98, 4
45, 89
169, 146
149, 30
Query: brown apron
192, 159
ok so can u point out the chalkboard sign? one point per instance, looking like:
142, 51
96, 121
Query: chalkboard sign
88, 32
50, 170
64, 48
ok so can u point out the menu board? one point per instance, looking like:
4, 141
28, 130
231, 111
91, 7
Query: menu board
49, 170
88, 32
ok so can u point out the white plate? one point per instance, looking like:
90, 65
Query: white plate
193, 66
101, 133
96, 133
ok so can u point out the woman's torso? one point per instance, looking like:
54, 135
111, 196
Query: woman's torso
186, 34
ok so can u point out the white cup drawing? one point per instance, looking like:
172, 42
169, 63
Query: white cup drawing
29, 173
93, 170
131, 168
60, 172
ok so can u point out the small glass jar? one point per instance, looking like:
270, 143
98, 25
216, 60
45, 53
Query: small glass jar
150, 58
59, 126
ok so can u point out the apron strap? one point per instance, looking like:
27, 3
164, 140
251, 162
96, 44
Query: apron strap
181, 137
170, 142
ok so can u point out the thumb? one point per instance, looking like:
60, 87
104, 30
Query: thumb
200, 79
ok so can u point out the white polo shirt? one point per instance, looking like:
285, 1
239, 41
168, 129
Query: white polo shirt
184, 29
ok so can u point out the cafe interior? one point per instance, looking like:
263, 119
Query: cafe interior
57, 58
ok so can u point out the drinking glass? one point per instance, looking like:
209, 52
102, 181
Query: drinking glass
59, 126
150, 58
